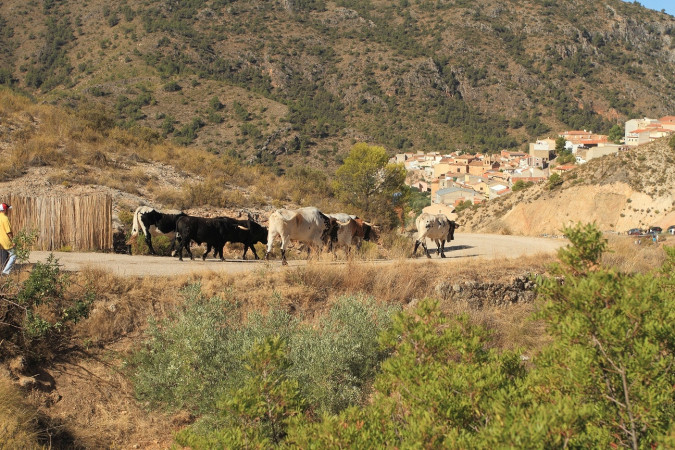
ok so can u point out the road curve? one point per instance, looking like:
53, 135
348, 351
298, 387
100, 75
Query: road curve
465, 246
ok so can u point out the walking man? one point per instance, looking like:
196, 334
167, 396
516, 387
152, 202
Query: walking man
6, 237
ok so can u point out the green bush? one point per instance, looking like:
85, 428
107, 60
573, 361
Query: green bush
554, 181
41, 314
521, 185
605, 381
197, 355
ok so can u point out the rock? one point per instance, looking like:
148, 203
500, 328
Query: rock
17, 365
27, 382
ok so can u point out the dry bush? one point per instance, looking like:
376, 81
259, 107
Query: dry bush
18, 422
122, 304
169, 197
397, 245
627, 256
138, 175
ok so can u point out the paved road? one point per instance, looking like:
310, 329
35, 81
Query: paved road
465, 246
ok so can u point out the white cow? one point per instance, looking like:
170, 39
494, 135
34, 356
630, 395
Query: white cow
307, 225
436, 227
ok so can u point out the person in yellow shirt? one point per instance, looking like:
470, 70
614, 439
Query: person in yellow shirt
6, 237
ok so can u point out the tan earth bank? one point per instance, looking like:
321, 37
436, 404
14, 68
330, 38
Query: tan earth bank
632, 189
604, 205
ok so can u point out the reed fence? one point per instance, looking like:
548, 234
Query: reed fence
80, 223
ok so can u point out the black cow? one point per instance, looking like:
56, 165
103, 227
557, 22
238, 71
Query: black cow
148, 220
247, 232
201, 230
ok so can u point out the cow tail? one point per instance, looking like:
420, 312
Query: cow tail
135, 223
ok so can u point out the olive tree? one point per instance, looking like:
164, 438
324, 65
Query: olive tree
369, 182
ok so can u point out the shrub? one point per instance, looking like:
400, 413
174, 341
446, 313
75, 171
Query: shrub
172, 86
554, 181
42, 313
521, 185
197, 355
605, 381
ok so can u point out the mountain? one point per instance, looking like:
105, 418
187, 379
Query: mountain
297, 82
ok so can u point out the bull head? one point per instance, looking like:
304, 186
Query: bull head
451, 230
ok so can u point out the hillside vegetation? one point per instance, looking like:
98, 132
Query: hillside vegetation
48, 149
290, 82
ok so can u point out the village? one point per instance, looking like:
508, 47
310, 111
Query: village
458, 179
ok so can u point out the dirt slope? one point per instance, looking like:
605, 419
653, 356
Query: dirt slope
635, 188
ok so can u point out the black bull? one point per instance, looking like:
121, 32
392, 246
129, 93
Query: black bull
216, 232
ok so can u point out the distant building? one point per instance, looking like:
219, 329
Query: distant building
454, 196
646, 130
541, 152
584, 155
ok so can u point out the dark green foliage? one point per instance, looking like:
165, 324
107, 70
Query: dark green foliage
605, 381
439, 387
129, 110
616, 133
464, 205
560, 145
613, 342
188, 132
535, 127
521, 185
554, 181
367, 181
569, 113
483, 131
316, 112
52, 67
565, 157
418, 200
172, 86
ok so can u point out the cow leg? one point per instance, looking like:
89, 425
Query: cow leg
417, 244
186, 246
442, 248
180, 249
270, 244
284, 242
148, 240
426, 250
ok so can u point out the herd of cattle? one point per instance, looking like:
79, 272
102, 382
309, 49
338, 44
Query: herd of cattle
304, 225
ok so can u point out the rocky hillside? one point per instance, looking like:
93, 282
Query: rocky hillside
297, 82
633, 189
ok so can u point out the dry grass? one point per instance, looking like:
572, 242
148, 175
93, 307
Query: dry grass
18, 421
124, 304
628, 257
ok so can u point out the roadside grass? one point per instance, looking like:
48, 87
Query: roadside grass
18, 420
625, 255
123, 304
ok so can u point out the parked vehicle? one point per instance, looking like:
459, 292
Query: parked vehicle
671, 229
655, 230
635, 232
